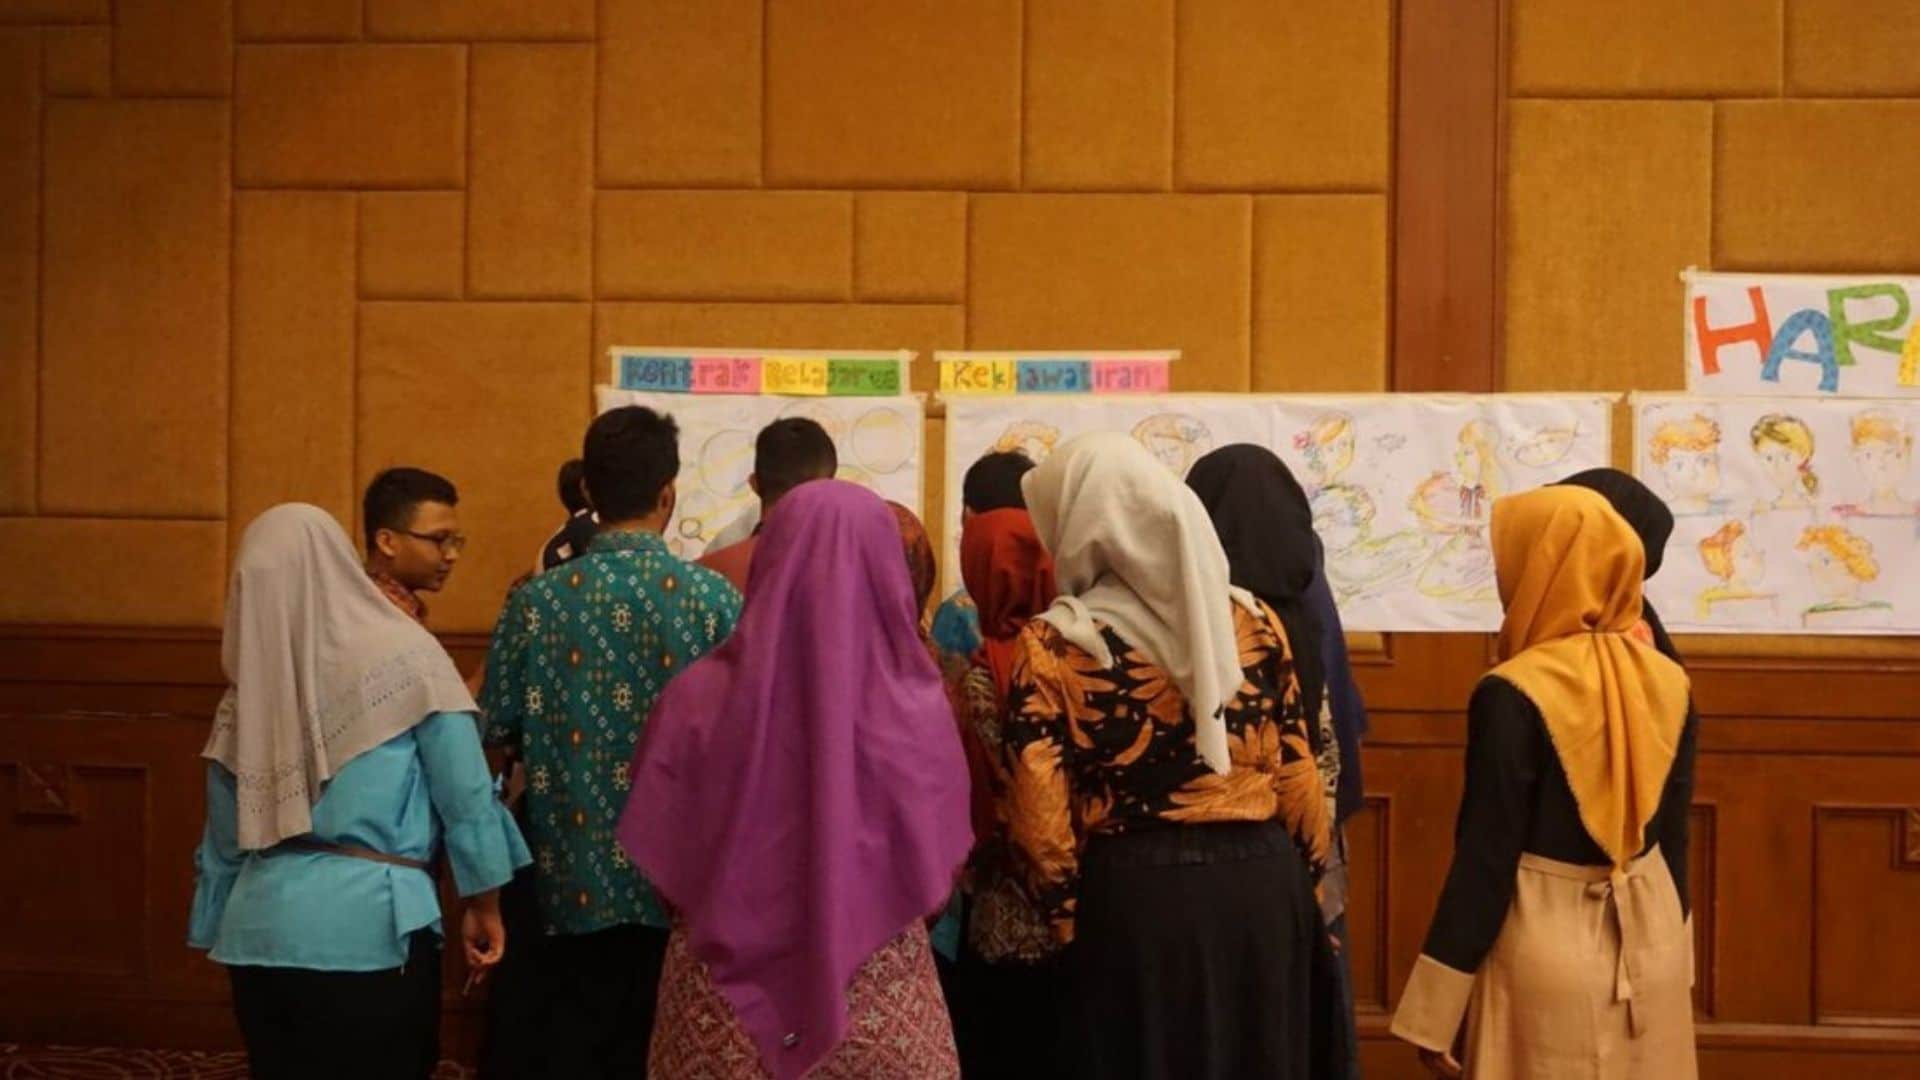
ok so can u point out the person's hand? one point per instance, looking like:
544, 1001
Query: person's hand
484, 934
1441, 1065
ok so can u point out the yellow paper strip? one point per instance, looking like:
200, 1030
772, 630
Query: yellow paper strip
978, 376
806, 378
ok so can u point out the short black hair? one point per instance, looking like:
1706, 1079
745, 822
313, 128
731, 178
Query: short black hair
631, 454
572, 496
395, 494
993, 482
791, 452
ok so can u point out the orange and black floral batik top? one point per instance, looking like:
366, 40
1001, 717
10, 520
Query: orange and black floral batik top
1093, 749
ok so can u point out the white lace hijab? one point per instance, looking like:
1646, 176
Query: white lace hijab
321, 667
1134, 548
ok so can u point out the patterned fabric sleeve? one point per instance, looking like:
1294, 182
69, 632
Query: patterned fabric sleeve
1040, 818
713, 605
503, 695
1304, 807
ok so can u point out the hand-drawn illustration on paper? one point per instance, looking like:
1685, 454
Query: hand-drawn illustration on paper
878, 440
1807, 529
1401, 487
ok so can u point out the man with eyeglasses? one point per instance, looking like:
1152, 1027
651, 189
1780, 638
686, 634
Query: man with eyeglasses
413, 535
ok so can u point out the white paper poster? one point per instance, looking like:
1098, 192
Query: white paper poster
1401, 485
1178, 429
1769, 335
1791, 516
879, 440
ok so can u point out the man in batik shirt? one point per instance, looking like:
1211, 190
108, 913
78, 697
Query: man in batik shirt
578, 658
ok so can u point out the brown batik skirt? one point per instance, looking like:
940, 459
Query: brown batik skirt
899, 1023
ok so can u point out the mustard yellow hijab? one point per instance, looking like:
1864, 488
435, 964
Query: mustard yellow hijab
1569, 570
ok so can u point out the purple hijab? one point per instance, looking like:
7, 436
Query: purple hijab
799, 795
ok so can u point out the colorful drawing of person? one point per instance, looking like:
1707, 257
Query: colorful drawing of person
1840, 561
1732, 556
1456, 505
1176, 439
1327, 447
1687, 453
1357, 562
1030, 437
1883, 452
1784, 445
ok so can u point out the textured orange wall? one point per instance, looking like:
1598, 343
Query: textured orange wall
255, 250
1647, 135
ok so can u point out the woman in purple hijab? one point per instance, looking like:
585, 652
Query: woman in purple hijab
800, 799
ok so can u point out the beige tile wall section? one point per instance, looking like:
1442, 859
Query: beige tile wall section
330, 235
297, 20
134, 302
293, 353
78, 61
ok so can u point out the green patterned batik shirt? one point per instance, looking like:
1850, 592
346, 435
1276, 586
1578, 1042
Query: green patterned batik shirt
578, 658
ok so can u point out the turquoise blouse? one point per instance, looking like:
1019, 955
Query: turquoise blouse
425, 788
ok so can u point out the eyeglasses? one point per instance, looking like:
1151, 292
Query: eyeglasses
448, 543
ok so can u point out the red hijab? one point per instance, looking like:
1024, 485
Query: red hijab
1010, 577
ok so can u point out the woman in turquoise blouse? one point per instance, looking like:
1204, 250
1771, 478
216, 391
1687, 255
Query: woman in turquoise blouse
343, 758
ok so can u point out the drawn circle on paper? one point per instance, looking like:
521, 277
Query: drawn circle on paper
822, 414
1177, 439
882, 441
726, 460
693, 517
853, 474
1546, 447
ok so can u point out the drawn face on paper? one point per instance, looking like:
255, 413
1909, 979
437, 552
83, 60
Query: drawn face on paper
1781, 465
1327, 461
1830, 574
1749, 562
1692, 474
1883, 464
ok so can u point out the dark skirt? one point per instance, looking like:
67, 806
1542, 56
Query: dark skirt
302, 1024
1199, 955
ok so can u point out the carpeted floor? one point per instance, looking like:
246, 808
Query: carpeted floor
123, 1063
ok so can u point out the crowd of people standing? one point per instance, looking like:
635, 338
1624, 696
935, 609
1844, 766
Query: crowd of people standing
748, 817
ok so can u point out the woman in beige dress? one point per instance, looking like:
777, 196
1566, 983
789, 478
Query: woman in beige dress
1561, 936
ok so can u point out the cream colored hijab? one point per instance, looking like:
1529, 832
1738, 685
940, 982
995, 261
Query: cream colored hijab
321, 668
1570, 569
1133, 548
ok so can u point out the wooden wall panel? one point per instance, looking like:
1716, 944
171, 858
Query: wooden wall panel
85, 920
1866, 886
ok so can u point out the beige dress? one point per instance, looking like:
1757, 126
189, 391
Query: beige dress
1590, 977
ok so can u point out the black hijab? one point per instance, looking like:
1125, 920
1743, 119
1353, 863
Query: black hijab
1266, 525
1650, 518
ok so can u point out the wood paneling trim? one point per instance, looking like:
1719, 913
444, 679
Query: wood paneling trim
1449, 110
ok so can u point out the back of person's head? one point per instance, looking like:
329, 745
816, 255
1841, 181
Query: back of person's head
993, 482
395, 496
572, 495
631, 456
789, 453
